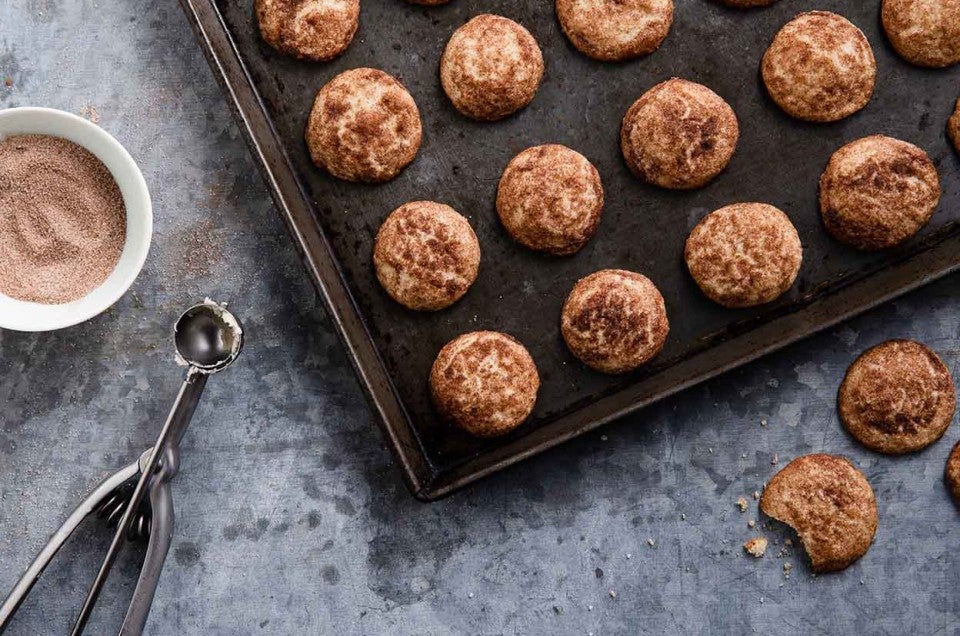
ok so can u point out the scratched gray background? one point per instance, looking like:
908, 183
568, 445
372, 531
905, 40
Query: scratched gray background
291, 516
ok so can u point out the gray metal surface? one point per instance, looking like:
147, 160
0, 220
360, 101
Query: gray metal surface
580, 103
290, 516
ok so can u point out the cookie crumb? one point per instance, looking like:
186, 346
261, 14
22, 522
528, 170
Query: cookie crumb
756, 495
651, 542
90, 114
756, 547
763, 422
751, 523
8, 82
742, 504
775, 459
613, 595
598, 573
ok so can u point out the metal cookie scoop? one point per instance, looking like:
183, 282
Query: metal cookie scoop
207, 338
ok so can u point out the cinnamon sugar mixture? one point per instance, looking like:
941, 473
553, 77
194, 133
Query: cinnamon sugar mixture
62, 220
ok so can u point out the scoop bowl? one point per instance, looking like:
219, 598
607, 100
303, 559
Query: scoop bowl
208, 337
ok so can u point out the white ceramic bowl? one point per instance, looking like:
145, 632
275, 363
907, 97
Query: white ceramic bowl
27, 316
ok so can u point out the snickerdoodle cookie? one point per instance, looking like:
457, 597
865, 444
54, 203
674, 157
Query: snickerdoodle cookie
491, 67
897, 397
877, 192
364, 126
614, 320
819, 67
953, 126
485, 382
951, 472
426, 255
679, 135
316, 30
829, 503
744, 254
924, 32
550, 199
614, 30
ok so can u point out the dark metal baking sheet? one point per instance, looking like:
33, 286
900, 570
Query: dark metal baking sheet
778, 160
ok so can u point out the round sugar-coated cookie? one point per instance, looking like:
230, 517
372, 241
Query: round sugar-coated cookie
317, 30
829, 503
550, 199
744, 254
364, 126
678, 135
485, 382
924, 32
897, 397
953, 126
426, 255
614, 320
819, 67
491, 67
951, 473
615, 30
877, 192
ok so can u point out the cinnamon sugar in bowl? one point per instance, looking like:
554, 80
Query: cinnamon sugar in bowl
75, 219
